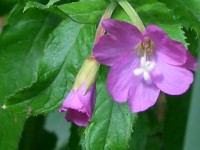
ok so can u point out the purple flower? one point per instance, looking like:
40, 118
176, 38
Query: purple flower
143, 64
79, 105
80, 102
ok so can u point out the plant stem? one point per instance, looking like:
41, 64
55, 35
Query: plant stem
107, 14
132, 14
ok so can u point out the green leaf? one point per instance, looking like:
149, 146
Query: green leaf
84, 12
49, 7
150, 13
51, 2
65, 51
187, 12
175, 32
139, 137
111, 124
21, 46
32, 4
11, 127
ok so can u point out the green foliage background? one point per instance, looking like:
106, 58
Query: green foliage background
42, 46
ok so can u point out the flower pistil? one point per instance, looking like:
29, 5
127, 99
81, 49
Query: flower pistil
146, 68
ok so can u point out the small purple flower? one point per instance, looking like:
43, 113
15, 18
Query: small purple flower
143, 64
79, 105
80, 102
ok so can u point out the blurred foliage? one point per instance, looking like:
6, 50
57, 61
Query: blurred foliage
192, 135
41, 139
6, 6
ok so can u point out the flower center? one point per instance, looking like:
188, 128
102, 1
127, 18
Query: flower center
145, 47
145, 50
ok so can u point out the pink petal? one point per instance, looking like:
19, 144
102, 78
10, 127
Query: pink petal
191, 62
109, 49
122, 37
170, 51
121, 77
79, 118
171, 79
156, 34
142, 95
123, 31
79, 105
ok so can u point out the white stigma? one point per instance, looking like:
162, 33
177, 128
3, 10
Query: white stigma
146, 67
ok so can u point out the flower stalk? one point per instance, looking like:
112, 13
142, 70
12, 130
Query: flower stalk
107, 14
132, 14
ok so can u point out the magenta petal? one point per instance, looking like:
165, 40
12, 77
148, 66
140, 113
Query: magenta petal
142, 95
156, 34
109, 49
191, 62
123, 31
78, 117
79, 105
170, 79
172, 52
122, 37
121, 77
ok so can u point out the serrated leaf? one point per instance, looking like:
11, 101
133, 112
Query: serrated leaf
85, 11
65, 51
11, 127
51, 2
175, 32
111, 124
21, 46
187, 12
32, 4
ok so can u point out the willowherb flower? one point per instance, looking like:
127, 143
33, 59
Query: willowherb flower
80, 102
143, 64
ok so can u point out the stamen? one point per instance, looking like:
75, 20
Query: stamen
145, 46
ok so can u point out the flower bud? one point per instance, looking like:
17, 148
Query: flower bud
80, 102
